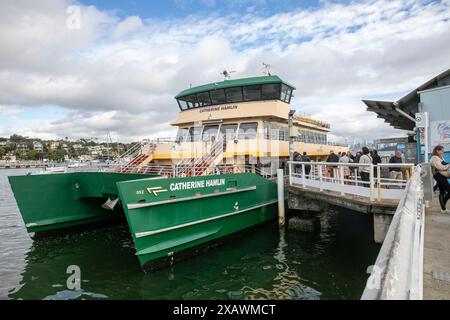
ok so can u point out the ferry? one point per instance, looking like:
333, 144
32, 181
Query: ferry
182, 196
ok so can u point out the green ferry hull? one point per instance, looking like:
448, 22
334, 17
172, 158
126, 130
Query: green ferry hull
55, 202
169, 219
169, 222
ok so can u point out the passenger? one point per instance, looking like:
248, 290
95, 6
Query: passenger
297, 158
395, 173
376, 159
357, 157
350, 156
305, 158
365, 170
346, 159
440, 174
332, 158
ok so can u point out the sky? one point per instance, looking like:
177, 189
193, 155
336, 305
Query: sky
79, 69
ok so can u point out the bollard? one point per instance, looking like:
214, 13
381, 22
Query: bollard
280, 187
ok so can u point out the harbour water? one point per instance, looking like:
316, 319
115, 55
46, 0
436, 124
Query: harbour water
265, 264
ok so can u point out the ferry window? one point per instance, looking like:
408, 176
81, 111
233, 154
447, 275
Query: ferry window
286, 93
204, 99
182, 104
247, 131
218, 96
194, 134
209, 133
271, 91
279, 132
252, 93
234, 94
228, 131
192, 101
181, 134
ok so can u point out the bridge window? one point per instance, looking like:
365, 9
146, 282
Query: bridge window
228, 131
218, 96
210, 132
252, 93
286, 93
181, 134
194, 134
271, 91
204, 99
237, 94
234, 94
183, 104
247, 131
192, 101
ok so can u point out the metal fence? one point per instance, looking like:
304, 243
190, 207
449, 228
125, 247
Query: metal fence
376, 182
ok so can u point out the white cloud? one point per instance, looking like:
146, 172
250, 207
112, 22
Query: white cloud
122, 74
126, 26
9, 111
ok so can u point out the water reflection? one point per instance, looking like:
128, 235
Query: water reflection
266, 263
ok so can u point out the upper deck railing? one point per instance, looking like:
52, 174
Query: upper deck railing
346, 178
174, 171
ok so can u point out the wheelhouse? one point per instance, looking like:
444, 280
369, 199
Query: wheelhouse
236, 91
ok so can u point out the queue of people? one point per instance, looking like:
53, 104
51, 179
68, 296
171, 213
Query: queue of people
440, 168
364, 156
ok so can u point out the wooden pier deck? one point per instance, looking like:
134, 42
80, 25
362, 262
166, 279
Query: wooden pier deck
436, 268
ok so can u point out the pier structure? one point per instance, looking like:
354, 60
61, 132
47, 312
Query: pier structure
414, 259
315, 185
25, 164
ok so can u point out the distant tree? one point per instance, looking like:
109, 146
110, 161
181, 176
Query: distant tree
17, 138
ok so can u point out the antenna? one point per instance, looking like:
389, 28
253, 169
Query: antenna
227, 74
266, 69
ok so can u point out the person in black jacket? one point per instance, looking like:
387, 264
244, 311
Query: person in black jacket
332, 157
305, 158
376, 159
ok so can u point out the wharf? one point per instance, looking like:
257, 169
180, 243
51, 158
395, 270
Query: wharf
436, 264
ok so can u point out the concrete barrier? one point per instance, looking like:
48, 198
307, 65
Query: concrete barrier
398, 270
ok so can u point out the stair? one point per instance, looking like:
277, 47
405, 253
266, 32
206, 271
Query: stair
197, 167
136, 161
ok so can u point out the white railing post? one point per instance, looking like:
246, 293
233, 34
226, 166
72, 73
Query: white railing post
379, 183
280, 189
290, 173
372, 183
320, 176
341, 176
303, 176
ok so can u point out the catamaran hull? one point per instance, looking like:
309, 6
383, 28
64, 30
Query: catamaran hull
52, 203
170, 219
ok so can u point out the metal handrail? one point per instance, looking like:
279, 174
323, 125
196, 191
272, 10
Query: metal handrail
339, 176
173, 171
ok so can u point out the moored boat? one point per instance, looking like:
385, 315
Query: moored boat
179, 196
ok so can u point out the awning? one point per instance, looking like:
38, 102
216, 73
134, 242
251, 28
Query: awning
390, 113
400, 114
